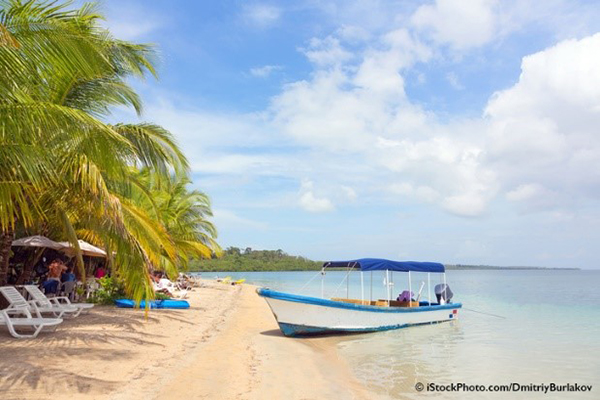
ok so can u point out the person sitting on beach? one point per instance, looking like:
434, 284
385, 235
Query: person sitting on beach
405, 296
165, 283
184, 282
100, 272
56, 269
161, 284
68, 276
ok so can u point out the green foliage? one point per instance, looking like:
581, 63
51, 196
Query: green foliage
162, 296
110, 290
68, 172
235, 259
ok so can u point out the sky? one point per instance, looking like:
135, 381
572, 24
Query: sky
459, 131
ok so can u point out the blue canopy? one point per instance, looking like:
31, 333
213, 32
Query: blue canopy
380, 264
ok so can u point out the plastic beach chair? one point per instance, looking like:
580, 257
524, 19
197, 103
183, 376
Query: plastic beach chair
171, 288
18, 314
55, 302
67, 289
39, 308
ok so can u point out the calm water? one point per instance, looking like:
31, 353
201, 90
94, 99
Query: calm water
550, 332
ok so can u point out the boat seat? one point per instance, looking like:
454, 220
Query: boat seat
354, 301
395, 303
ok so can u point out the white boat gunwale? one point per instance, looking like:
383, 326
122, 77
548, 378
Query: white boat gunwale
266, 292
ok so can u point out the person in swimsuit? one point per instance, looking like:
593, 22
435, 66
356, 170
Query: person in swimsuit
56, 269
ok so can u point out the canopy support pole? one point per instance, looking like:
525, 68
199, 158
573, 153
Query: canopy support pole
322, 284
348, 284
371, 294
362, 288
445, 289
409, 291
387, 283
429, 288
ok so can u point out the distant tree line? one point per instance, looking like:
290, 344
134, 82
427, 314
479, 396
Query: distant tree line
236, 259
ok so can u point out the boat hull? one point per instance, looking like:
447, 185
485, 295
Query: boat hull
302, 315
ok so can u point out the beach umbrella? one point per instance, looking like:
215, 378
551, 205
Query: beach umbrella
37, 241
87, 249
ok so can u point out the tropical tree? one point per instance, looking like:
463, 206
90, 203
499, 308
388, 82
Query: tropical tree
182, 212
61, 164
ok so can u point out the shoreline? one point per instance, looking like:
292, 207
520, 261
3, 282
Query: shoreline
226, 346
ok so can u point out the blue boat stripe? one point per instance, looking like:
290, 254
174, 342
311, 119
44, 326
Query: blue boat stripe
349, 306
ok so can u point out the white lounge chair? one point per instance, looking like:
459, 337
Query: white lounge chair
44, 302
170, 287
39, 307
18, 314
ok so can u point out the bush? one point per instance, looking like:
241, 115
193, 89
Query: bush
110, 290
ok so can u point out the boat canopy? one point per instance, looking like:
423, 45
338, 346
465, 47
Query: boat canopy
380, 264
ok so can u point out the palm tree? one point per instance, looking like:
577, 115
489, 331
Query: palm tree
182, 212
60, 74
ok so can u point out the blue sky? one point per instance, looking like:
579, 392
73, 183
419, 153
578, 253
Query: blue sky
453, 131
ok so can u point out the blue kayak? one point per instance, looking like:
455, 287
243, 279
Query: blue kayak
177, 304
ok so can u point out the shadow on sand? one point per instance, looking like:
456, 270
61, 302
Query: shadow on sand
41, 363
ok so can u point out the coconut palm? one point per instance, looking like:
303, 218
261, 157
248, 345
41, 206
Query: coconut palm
60, 74
182, 212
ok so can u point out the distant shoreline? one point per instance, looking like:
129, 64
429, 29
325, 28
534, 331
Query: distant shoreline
448, 268
482, 267
249, 260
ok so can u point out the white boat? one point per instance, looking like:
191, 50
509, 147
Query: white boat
299, 315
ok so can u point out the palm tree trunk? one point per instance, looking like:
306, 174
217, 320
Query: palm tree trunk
6, 238
28, 268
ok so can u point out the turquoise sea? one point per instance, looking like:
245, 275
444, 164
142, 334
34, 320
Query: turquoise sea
545, 329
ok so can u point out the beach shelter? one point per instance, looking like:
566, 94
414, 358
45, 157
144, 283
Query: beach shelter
38, 241
87, 249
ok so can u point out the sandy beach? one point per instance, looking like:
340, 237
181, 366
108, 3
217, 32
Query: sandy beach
227, 346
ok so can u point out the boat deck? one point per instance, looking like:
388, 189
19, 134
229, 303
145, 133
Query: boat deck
383, 303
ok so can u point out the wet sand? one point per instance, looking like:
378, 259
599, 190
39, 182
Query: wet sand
227, 346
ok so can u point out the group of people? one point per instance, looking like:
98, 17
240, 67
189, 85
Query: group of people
58, 273
55, 275
164, 285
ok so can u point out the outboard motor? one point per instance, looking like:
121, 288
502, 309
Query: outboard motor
443, 293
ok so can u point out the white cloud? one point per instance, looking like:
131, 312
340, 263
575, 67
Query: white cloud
360, 108
312, 203
359, 131
353, 34
543, 129
452, 78
526, 192
462, 24
326, 52
422, 193
226, 218
349, 192
261, 15
132, 21
265, 71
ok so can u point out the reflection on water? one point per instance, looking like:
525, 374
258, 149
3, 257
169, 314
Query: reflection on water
390, 363
550, 333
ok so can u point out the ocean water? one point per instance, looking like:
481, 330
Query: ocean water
545, 329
